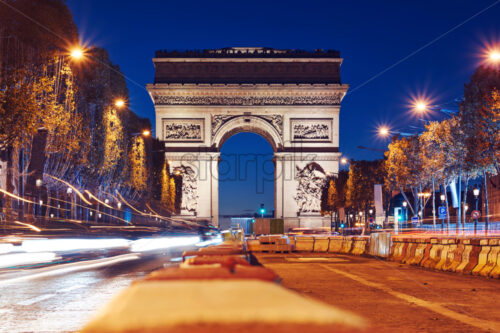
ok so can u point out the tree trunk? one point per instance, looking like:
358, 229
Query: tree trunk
459, 210
421, 220
465, 203
415, 196
487, 212
433, 203
447, 208
407, 201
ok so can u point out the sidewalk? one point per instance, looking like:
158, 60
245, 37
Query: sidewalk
393, 297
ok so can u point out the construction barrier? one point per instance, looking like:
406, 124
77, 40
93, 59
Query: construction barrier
461, 255
346, 244
397, 249
359, 245
380, 244
469, 256
444, 253
492, 258
483, 256
450, 256
304, 244
321, 244
335, 245
456, 257
410, 250
423, 244
495, 273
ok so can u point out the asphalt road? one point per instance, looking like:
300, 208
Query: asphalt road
64, 301
393, 297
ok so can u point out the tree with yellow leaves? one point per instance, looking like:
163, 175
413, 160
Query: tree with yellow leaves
138, 168
167, 190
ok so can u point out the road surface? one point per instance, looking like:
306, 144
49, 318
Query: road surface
393, 297
65, 301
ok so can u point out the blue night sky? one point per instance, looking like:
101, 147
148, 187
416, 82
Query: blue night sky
372, 36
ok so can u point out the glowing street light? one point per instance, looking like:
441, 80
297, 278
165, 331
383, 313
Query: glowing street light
343, 160
494, 56
146, 133
76, 53
119, 103
383, 131
420, 106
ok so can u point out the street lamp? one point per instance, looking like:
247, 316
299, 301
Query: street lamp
383, 131
76, 53
119, 103
146, 133
494, 56
420, 106
405, 212
476, 196
343, 160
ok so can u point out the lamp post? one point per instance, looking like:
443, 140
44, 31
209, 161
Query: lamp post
38, 184
476, 196
405, 212
443, 198
69, 202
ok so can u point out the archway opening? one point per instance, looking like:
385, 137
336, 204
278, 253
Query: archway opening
246, 179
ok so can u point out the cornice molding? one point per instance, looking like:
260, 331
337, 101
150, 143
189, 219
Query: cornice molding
333, 98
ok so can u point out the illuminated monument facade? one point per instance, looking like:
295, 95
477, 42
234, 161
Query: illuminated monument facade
291, 98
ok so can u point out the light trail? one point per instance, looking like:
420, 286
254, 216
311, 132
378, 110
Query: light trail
18, 259
89, 208
32, 227
73, 188
15, 196
72, 244
96, 199
71, 267
150, 244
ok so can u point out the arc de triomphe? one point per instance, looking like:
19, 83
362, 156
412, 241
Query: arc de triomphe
291, 98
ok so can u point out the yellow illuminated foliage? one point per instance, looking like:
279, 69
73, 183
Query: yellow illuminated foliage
167, 190
113, 140
138, 171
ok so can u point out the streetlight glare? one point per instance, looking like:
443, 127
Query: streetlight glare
494, 56
343, 160
76, 53
146, 133
420, 106
119, 103
383, 131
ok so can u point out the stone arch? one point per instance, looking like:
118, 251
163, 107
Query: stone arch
247, 124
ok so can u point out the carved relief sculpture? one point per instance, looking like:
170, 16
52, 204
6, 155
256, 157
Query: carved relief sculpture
331, 99
183, 129
311, 129
275, 120
311, 180
189, 188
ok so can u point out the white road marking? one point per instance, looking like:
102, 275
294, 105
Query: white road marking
436, 307
34, 300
